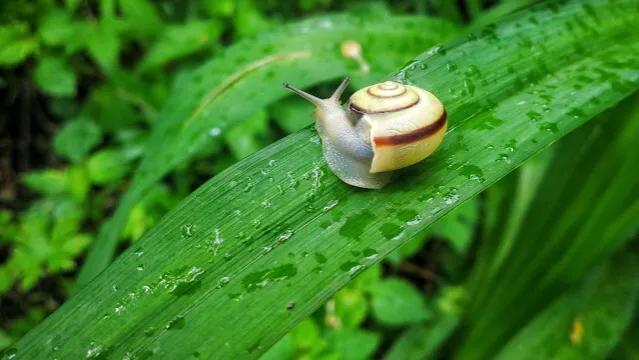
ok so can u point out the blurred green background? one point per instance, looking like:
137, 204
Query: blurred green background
81, 84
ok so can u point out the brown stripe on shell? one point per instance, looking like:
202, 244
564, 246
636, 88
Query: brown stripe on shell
413, 136
358, 109
368, 91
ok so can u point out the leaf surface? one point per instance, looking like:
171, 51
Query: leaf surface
215, 276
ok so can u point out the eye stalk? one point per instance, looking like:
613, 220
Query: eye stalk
335, 98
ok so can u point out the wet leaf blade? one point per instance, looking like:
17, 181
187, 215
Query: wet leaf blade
226, 262
246, 78
585, 323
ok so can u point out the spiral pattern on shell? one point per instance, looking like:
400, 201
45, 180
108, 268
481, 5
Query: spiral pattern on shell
384, 97
406, 123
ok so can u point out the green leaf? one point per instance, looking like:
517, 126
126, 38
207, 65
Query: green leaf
141, 16
396, 302
56, 28
177, 41
354, 344
577, 233
458, 226
586, 323
421, 341
248, 20
247, 73
292, 114
109, 110
76, 138
351, 307
16, 42
249, 136
107, 166
267, 256
47, 182
55, 77
221, 8
104, 44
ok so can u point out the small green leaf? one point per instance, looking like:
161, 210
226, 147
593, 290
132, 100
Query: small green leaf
353, 344
47, 182
76, 138
397, 302
248, 136
220, 8
282, 350
55, 77
177, 41
104, 44
306, 334
141, 16
107, 166
458, 226
56, 28
110, 111
17, 43
351, 307
248, 20
421, 341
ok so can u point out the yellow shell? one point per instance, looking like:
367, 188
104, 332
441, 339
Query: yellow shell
406, 123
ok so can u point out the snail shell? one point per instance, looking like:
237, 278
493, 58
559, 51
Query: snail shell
406, 123
384, 127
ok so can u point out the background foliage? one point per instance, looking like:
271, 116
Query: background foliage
83, 85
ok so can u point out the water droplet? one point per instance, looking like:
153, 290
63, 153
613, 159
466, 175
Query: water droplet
119, 309
534, 116
215, 132
149, 331
355, 224
451, 197
329, 205
214, 242
351, 267
138, 252
93, 351
223, 282
140, 267
284, 236
10, 354
391, 231
264, 278
176, 323
188, 230
370, 254
265, 204
415, 221
472, 172
249, 185
321, 259
504, 158
548, 126
182, 281
292, 180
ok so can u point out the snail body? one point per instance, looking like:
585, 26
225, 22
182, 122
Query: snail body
383, 127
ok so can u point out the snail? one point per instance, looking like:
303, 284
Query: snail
383, 127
